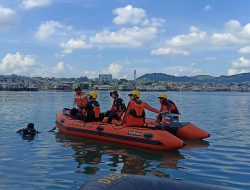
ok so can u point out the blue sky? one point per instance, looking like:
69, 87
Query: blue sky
72, 38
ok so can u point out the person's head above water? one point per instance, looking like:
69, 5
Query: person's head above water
31, 126
28, 131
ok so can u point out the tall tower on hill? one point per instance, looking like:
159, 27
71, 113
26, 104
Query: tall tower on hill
134, 75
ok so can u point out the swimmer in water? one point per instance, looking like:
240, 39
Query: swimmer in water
28, 131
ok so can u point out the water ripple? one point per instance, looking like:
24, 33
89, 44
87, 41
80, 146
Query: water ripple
56, 161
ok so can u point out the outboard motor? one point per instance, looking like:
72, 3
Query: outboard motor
173, 119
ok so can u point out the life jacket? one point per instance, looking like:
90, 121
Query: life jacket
136, 114
93, 109
137, 109
118, 106
81, 100
168, 105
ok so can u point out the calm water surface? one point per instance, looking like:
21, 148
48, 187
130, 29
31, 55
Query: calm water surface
56, 161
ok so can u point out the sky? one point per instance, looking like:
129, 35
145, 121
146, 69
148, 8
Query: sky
73, 38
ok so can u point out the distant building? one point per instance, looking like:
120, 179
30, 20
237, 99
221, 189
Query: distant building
105, 78
102, 87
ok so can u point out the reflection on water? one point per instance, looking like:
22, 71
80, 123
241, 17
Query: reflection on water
195, 144
91, 154
28, 138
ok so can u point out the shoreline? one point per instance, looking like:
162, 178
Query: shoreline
56, 90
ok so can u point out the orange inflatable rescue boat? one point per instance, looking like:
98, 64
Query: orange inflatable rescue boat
145, 137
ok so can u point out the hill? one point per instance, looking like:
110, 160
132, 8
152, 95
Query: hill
239, 78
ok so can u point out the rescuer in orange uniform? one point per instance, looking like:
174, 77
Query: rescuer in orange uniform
80, 100
135, 114
167, 105
93, 110
118, 107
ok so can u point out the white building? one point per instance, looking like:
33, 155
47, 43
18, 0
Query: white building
105, 78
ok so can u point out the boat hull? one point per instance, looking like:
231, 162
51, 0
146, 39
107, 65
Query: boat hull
190, 131
182, 130
134, 136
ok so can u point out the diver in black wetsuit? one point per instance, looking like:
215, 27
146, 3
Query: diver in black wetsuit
29, 131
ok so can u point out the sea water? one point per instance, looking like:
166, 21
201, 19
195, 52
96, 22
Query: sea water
58, 161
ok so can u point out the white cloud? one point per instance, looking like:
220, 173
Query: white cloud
232, 25
50, 28
115, 69
169, 51
8, 18
62, 69
241, 62
128, 37
74, 44
245, 33
29, 4
208, 8
234, 34
17, 64
58, 68
234, 71
245, 50
241, 65
225, 39
129, 15
183, 71
144, 30
118, 70
154, 22
195, 36
27, 65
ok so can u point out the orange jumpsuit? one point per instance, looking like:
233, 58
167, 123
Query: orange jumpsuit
135, 114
